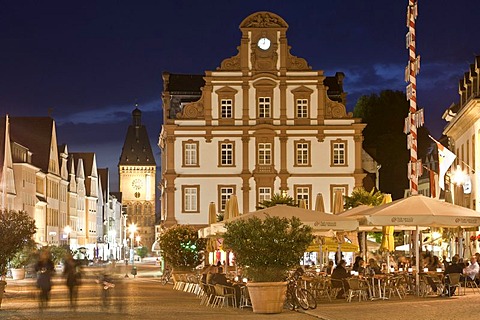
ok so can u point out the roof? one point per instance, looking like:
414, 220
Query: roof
136, 149
36, 134
88, 159
104, 177
186, 83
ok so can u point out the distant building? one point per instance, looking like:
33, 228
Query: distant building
262, 123
463, 132
137, 169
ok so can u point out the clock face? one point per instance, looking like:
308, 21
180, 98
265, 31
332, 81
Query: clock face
137, 184
263, 43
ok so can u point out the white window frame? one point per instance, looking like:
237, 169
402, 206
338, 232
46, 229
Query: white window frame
264, 107
302, 108
226, 108
265, 153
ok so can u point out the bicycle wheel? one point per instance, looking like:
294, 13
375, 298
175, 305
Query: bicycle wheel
301, 295
290, 303
312, 302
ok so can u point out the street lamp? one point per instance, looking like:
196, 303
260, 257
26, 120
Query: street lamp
67, 230
132, 228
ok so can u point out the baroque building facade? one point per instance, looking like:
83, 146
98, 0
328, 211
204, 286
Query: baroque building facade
463, 132
137, 170
262, 123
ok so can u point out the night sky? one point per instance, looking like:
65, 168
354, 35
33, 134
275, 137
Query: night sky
89, 61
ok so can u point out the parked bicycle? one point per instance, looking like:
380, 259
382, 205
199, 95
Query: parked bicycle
297, 296
166, 277
107, 286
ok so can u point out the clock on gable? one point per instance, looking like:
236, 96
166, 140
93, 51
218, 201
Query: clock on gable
137, 184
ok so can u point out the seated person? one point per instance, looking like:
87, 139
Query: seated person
221, 279
339, 279
453, 267
329, 267
373, 268
472, 269
359, 265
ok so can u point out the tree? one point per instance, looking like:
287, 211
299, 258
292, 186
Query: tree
267, 248
361, 196
277, 199
16, 229
385, 140
181, 247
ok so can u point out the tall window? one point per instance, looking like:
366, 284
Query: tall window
190, 197
303, 193
225, 193
264, 107
264, 153
302, 150
226, 154
190, 153
302, 108
339, 157
226, 108
264, 194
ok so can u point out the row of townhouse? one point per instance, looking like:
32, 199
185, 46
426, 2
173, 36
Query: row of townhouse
463, 137
64, 192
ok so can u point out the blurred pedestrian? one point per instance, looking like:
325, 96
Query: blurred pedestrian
45, 269
72, 274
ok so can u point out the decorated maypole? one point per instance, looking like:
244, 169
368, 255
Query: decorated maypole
415, 118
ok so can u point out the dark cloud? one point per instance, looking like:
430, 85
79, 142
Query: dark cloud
88, 62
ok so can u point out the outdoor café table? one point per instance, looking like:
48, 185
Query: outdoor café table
377, 284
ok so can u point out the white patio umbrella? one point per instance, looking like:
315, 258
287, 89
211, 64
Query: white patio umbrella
420, 211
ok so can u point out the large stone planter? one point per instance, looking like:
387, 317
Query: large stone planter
267, 297
3, 284
18, 274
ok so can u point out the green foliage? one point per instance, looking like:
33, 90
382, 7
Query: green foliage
142, 252
181, 246
58, 253
384, 139
361, 196
277, 199
24, 256
267, 248
16, 228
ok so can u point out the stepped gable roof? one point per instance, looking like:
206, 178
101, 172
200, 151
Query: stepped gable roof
88, 159
35, 133
183, 83
136, 149
104, 177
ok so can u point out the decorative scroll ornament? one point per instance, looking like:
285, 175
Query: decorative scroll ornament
232, 63
336, 110
296, 63
192, 110
264, 20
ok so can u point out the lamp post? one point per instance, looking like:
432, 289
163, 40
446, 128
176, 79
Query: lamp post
458, 178
67, 230
132, 228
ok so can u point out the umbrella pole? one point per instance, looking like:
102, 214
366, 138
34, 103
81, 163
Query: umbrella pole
364, 246
417, 263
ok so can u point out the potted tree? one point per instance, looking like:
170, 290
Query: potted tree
266, 249
182, 249
21, 259
16, 227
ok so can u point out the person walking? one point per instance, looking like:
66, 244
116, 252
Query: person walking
72, 277
44, 268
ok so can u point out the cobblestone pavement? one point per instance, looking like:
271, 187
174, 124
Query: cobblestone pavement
145, 298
